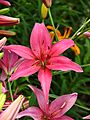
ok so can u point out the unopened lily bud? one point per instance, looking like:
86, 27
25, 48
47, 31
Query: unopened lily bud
2, 42
87, 34
44, 11
5, 10
8, 21
7, 33
47, 3
4, 2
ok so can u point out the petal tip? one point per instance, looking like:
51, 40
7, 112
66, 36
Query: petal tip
75, 94
81, 70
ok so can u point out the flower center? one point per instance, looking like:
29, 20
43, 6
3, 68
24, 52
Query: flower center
46, 118
43, 60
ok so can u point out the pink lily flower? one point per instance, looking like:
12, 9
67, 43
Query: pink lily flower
2, 42
87, 117
4, 2
11, 112
8, 64
8, 21
53, 111
43, 57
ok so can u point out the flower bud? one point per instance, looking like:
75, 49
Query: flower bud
44, 11
87, 34
5, 10
7, 33
4, 2
8, 21
48, 3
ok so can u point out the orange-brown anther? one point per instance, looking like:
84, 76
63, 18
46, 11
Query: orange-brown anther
76, 49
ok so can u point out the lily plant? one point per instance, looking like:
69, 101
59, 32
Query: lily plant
43, 57
53, 111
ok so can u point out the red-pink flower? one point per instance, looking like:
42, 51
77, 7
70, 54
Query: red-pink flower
87, 117
53, 111
5, 2
43, 57
8, 64
8, 21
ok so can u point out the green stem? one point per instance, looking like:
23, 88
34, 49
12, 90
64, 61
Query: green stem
42, 20
85, 108
52, 22
86, 65
10, 90
80, 29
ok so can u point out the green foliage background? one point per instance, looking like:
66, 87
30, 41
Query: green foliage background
65, 13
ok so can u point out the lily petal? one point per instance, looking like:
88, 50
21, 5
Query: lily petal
3, 76
62, 104
40, 97
45, 77
4, 90
3, 67
87, 117
26, 68
11, 112
60, 47
40, 39
9, 59
33, 112
20, 50
64, 64
64, 118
